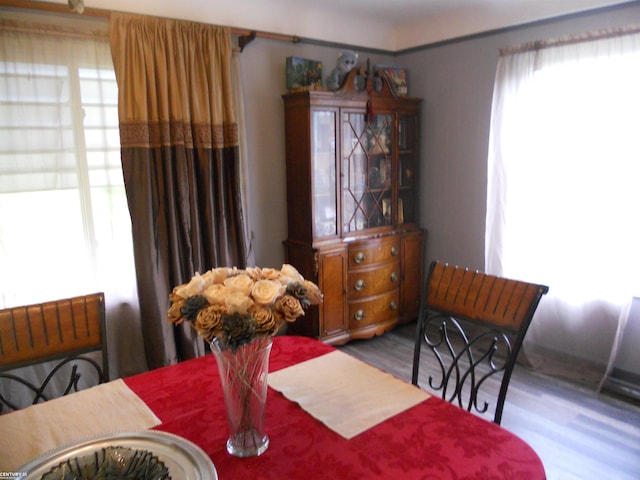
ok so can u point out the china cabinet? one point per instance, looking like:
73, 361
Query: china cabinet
352, 204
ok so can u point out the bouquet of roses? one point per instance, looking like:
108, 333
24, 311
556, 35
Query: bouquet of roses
236, 306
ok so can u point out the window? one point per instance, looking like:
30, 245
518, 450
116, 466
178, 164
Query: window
563, 197
64, 222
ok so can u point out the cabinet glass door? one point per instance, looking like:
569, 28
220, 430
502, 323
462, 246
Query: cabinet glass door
407, 151
323, 160
367, 155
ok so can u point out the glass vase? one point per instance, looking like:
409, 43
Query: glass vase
243, 374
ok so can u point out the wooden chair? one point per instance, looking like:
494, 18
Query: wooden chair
62, 332
474, 324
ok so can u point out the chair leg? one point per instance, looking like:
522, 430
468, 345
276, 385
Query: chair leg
416, 349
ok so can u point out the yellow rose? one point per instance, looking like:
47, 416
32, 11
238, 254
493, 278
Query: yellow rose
269, 274
174, 297
313, 292
209, 321
237, 302
290, 307
289, 274
194, 287
217, 275
216, 294
265, 292
241, 283
266, 321
258, 273
253, 272
175, 315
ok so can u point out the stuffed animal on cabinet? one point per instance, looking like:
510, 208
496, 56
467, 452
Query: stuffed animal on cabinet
346, 61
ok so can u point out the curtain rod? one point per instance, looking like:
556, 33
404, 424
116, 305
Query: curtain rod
245, 35
570, 39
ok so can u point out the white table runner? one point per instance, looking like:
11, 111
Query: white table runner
344, 393
106, 408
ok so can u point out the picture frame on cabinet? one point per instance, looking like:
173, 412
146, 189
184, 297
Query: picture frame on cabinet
303, 74
397, 77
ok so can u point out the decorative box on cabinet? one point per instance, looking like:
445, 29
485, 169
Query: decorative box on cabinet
352, 205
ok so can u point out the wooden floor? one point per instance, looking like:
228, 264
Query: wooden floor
578, 434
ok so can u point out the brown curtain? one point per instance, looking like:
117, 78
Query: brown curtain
179, 141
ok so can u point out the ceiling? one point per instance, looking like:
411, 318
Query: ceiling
390, 25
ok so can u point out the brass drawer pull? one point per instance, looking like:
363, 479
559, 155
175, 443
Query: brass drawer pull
360, 285
359, 315
394, 251
393, 306
359, 257
394, 277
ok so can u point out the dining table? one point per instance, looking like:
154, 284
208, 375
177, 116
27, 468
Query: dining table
428, 438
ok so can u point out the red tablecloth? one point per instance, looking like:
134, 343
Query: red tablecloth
432, 440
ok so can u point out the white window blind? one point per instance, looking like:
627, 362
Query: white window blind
64, 223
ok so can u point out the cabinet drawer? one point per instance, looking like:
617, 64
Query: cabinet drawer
375, 251
375, 310
372, 281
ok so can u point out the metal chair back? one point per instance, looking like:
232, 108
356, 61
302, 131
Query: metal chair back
474, 324
62, 332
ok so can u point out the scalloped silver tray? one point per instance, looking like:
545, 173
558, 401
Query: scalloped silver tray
184, 459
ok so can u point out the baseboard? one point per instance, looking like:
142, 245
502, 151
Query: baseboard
620, 388
564, 366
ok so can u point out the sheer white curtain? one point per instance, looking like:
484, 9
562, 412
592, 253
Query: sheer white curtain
563, 206
244, 154
64, 223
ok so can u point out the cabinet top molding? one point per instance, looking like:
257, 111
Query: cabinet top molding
352, 89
